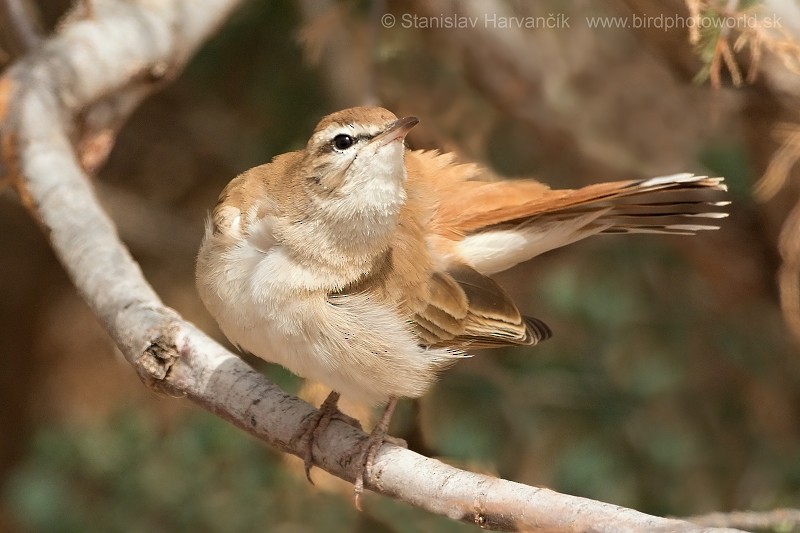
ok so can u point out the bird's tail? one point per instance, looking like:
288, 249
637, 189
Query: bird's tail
518, 220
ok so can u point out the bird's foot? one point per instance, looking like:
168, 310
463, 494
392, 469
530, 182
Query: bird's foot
370, 449
315, 425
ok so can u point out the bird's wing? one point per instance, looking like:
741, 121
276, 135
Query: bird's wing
469, 310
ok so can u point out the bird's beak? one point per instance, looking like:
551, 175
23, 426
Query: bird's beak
397, 130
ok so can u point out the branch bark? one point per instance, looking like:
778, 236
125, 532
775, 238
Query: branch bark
105, 66
22, 27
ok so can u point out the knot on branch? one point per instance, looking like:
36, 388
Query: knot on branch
157, 359
500, 516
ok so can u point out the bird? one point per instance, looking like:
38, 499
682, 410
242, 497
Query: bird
366, 266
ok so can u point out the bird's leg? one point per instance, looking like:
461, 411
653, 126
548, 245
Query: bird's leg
314, 426
371, 447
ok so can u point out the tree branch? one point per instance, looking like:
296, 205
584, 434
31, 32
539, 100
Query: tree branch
22, 27
109, 63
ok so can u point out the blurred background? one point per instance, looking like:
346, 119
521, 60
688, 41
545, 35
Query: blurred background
672, 383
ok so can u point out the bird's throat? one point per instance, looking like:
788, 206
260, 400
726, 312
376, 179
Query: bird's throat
344, 241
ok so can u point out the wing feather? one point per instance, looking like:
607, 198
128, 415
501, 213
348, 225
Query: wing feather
470, 310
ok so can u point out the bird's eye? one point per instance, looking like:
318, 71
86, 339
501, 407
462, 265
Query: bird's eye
343, 141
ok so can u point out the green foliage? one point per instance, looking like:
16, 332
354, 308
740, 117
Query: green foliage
200, 474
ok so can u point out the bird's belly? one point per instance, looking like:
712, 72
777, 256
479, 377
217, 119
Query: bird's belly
358, 344
350, 356
356, 347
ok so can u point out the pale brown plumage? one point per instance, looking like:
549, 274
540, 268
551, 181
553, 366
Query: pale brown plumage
428, 267
365, 266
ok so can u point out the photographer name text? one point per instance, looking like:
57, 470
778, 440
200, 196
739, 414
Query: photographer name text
488, 20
